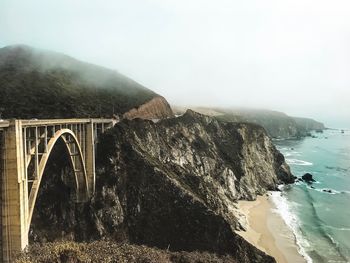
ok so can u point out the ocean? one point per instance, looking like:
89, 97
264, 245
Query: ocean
320, 220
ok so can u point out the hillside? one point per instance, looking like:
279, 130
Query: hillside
308, 124
277, 124
44, 84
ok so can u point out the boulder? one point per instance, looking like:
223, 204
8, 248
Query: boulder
308, 178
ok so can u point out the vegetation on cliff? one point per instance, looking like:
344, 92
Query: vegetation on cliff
43, 84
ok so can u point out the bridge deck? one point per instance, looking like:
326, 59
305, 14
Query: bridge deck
4, 124
46, 122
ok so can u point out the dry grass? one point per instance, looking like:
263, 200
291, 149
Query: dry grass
108, 252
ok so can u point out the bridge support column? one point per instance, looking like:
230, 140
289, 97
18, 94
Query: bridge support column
14, 193
90, 157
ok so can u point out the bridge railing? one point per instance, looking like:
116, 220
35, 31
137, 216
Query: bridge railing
4, 124
45, 122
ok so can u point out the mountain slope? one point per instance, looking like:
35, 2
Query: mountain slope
308, 124
277, 124
43, 84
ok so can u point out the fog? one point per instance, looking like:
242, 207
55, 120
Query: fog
286, 55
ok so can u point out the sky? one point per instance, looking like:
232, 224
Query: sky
286, 55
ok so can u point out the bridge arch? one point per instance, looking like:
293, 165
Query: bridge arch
77, 163
26, 146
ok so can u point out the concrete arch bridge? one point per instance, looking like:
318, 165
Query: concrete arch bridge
25, 147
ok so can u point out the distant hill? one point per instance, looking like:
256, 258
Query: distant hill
308, 124
277, 124
44, 84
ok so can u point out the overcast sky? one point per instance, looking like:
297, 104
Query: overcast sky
287, 55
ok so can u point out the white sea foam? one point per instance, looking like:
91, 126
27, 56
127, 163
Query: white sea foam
291, 220
337, 228
298, 162
326, 190
291, 153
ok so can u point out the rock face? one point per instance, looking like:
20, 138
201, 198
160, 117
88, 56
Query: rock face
156, 108
173, 185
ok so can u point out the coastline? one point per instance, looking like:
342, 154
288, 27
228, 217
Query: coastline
267, 230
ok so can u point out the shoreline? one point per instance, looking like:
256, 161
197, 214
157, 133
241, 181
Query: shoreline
267, 230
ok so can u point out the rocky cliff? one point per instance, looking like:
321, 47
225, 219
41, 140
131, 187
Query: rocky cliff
171, 184
38, 83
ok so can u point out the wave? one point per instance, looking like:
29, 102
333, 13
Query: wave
337, 168
337, 228
328, 190
319, 223
297, 162
293, 153
292, 222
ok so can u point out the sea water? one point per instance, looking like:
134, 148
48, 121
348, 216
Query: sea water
318, 213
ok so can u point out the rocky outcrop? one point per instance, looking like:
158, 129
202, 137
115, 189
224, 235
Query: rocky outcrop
173, 185
308, 178
182, 176
155, 109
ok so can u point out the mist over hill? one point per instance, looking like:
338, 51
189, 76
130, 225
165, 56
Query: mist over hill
44, 84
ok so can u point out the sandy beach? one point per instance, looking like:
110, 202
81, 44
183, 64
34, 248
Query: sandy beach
267, 231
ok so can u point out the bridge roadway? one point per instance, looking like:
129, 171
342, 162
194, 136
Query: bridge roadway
25, 147
4, 124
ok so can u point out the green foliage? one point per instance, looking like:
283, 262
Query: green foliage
42, 84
